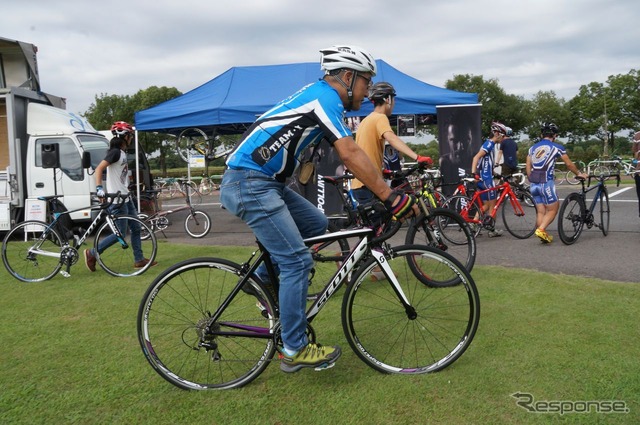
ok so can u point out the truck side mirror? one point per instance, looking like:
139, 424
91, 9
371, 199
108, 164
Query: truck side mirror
86, 159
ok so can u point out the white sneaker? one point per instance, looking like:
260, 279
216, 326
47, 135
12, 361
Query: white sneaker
495, 233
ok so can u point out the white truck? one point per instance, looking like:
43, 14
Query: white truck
44, 150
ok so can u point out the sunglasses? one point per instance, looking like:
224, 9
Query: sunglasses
367, 80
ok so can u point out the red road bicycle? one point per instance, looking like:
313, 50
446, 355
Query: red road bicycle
518, 212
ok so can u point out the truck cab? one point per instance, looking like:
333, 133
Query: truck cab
58, 140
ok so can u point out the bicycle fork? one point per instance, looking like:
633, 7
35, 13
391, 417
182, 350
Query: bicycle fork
391, 276
117, 233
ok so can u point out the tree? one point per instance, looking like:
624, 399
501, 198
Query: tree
547, 107
110, 108
497, 105
602, 110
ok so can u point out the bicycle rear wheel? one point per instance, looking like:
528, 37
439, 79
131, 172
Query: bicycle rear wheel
520, 223
445, 230
604, 212
117, 257
198, 224
429, 335
173, 329
571, 221
28, 256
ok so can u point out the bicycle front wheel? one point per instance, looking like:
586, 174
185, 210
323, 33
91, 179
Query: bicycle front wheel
181, 344
604, 212
519, 217
571, 221
31, 251
468, 210
447, 231
117, 255
426, 336
197, 224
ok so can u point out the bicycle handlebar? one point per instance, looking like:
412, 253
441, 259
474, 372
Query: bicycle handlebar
111, 199
601, 178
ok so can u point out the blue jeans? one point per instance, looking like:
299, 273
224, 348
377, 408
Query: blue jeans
127, 208
280, 218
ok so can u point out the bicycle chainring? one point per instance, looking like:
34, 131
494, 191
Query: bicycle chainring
162, 223
488, 222
69, 255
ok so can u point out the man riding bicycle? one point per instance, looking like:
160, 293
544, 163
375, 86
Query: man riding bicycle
253, 187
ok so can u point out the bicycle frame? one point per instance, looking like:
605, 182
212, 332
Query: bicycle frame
103, 213
364, 246
599, 188
504, 190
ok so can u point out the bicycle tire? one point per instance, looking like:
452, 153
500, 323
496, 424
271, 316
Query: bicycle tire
445, 230
604, 211
602, 170
118, 259
26, 266
191, 141
388, 338
198, 224
460, 203
327, 258
173, 189
520, 226
571, 218
144, 235
171, 333
205, 188
571, 178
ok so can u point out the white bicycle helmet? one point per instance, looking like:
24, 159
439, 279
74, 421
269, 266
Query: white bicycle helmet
499, 127
349, 57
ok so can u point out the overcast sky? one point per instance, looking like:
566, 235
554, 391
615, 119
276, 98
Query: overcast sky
118, 47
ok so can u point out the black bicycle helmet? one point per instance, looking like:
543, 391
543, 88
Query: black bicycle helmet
381, 90
549, 129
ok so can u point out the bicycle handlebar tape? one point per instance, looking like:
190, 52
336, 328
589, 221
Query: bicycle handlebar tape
402, 207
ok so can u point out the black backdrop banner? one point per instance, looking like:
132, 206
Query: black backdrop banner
460, 138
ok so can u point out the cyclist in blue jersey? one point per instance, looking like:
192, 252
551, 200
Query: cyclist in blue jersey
541, 162
483, 164
253, 187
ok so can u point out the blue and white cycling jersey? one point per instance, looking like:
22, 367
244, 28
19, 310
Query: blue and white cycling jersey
274, 143
543, 158
485, 164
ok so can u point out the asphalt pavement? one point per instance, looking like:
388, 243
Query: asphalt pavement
614, 257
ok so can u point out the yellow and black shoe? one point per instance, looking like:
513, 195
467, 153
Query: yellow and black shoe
313, 355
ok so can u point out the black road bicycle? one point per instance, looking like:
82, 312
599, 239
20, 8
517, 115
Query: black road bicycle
34, 251
211, 323
574, 214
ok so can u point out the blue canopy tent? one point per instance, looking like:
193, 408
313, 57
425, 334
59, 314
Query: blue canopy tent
241, 94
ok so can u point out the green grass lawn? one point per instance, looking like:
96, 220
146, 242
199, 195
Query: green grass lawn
69, 355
